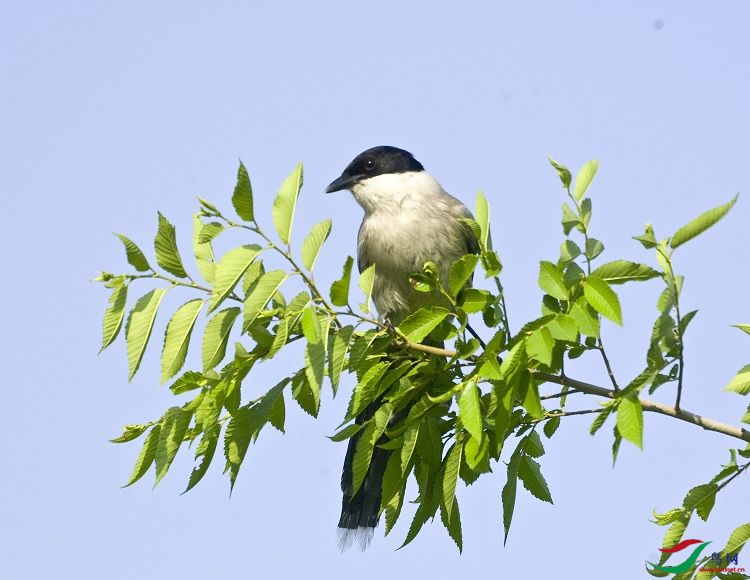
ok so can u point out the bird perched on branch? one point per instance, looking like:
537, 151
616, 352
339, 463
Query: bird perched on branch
409, 220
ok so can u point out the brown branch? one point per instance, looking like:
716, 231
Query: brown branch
652, 406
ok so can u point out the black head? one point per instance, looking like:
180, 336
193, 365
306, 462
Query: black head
376, 161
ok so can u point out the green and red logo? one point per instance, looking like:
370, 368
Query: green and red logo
688, 563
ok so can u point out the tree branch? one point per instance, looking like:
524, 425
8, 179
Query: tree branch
652, 406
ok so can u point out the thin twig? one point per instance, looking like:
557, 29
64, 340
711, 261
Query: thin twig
600, 348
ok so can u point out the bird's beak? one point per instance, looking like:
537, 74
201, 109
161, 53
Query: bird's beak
343, 182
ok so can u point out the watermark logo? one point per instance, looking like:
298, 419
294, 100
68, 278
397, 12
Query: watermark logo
717, 563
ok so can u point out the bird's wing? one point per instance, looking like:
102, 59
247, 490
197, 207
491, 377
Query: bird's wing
364, 259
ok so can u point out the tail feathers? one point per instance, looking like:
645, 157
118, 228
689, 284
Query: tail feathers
360, 513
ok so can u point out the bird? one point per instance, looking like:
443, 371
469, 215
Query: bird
409, 219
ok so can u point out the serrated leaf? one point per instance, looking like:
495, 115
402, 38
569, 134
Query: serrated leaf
621, 271
347, 432
114, 315
569, 251
418, 325
229, 270
470, 410
209, 231
509, 493
203, 252
551, 281
407, 449
315, 360
177, 338
366, 283
366, 443
215, 337
701, 498
236, 441
701, 224
586, 319
242, 198
135, 256
570, 219
743, 327
539, 345
450, 476
551, 426
172, 434
286, 202
601, 418
314, 242
189, 381
737, 539
563, 327
532, 445
165, 244
146, 456
482, 219
630, 420
593, 248
337, 355
562, 171
647, 239
340, 288
741, 382
205, 454
584, 178
130, 432
139, 326
603, 299
530, 474
461, 272
268, 284
302, 393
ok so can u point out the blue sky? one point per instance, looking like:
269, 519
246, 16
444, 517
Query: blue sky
112, 111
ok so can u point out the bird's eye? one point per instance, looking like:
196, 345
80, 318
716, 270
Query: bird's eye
370, 164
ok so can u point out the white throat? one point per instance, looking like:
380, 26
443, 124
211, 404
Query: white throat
395, 192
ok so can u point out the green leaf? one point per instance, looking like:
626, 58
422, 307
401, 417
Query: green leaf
452, 523
647, 239
114, 315
482, 213
701, 224
407, 449
167, 254
229, 270
602, 417
509, 492
347, 432
569, 251
472, 300
366, 282
286, 202
470, 410
337, 355
418, 325
215, 337
366, 443
530, 474
563, 327
340, 288
189, 381
242, 198
315, 360
236, 441
204, 254
134, 254
584, 178
302, 393
593, 248
130, 432
603, 298
621, 271
550, 426
630, 419
570, 219
205, 453
172, 434
311, 325
737, 539
743, 327
314, 242
539, 345
461, 272
177, 338
268, 284
551, 281
564, 174
209, 231
139, 326
741, 382
450, 476
585, 317
146, 456
701, 498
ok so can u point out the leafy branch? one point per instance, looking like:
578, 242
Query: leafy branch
441, 413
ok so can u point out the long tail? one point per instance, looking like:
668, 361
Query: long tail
360, 512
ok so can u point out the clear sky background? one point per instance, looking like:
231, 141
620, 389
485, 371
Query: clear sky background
112, 111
